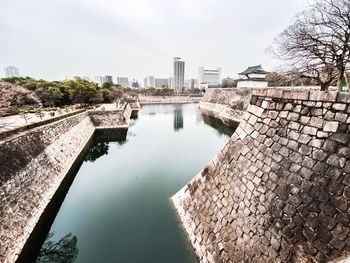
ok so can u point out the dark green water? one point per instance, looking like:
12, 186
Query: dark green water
117, 208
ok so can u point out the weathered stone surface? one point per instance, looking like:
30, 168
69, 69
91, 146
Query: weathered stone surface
323, 96
33, 165
289, 182
330, 126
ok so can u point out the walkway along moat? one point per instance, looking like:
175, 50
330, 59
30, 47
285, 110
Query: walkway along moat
117, 208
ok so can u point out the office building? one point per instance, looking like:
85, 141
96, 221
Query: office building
149, 81
191, 83
179, 75
160, 83
108, 79
11, 71
209, 78
135, 83
123, 81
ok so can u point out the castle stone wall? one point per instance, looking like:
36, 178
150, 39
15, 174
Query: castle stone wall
34, 164
279, 191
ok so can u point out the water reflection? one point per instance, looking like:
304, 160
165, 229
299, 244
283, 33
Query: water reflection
101, 142
118, 208
228, 127
134, 115
178, 119
64, 250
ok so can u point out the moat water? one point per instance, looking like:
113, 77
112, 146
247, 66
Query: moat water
117, 209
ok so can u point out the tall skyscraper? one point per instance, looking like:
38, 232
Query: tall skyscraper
179, 75
11, 71
123, 81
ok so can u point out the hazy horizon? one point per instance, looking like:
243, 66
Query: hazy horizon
137, 38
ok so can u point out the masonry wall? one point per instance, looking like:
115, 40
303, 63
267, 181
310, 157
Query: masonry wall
279, 191
33, 165
225, 104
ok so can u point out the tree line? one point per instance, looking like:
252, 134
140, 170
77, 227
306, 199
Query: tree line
60, 93
316, 46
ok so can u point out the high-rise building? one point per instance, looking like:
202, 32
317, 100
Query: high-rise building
123, 81
159, 83
149, 81
108, 78
171, 82
179, 75
209, 78
135, 83
190, 83
103, 79
11, 71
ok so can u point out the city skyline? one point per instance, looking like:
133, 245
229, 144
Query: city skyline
138, 38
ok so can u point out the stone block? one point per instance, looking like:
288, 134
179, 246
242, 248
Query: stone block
343, 97
344, 152
317, 143
321, 134
304, 139
331, 126
323, 96
329, 115
342, 117
257, 111
293, 135
339, 106
343, 138
316, 122
259, 92
339, 202
293, 116
274, 93
319, 155
309, 130
336, 161
296, 94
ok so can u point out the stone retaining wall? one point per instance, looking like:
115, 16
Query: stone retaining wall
33, 166
225, 103
279, 191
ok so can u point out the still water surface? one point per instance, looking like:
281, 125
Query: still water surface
118, 208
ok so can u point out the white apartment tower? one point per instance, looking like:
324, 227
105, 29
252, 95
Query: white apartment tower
11, 71
179, 75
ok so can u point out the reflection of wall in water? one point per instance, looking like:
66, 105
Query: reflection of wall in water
101, 140
228, 127
178, 119
110, 135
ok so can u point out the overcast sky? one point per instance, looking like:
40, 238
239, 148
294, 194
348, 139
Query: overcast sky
52, 39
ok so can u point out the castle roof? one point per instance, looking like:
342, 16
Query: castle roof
254, 70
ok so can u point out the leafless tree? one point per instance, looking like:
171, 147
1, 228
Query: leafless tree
317, 43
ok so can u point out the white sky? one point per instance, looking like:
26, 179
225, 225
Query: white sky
52, 39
